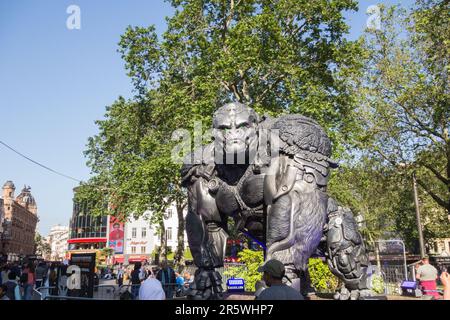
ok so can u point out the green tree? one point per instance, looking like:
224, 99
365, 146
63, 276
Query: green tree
404, 95
42, 247
277, 56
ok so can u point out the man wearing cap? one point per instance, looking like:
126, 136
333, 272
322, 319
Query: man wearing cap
274, 273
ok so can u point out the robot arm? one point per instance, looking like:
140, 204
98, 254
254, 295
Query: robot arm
346, 253
206, 237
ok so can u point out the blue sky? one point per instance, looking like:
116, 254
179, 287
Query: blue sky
55, 82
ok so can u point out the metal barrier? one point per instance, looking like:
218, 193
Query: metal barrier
50, 297
105, 292
393, 275
170, 289
41, 292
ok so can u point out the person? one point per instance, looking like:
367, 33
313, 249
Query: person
273, 274
53, 280
120, 276
4, 274
3, 290
188, 279
41, 274
28, 280
179, 280
167, 277
427, 275
12, 287
135, 280
151, 289
142, 273
445, 279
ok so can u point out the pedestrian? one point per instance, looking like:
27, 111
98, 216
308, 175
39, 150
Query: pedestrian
142, 273
41, 273
179, 280
135, 281
12, 287
151, 289
27, 280
427, 275
53, 280
188, 279
4, 273
3, 290
273, 274
445, 279
120, 274
167, 278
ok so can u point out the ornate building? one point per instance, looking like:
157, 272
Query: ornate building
57, 239
19, 225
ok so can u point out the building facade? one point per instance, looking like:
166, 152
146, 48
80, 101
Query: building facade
57, 239
87, 233
141, 238
441, 247
19, 225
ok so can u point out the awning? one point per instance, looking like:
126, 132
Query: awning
138, 258
86, 240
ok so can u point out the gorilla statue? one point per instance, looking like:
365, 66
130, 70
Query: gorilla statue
270, 175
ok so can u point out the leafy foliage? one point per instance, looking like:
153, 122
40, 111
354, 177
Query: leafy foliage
378, 285
321, 277
251, 261
42, 247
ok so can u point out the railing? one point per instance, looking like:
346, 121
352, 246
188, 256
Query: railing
41, 292
191, 269
393, 275
170, 289
105, 292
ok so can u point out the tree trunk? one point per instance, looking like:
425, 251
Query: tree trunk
179, 254
163, 243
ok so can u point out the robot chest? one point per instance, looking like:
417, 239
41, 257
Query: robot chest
247, 194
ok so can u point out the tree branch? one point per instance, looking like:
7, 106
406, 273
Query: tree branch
436, 173
435, 197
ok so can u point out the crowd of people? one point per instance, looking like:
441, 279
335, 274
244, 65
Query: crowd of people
153, 283
18, 280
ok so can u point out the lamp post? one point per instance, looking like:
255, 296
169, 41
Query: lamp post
419, 224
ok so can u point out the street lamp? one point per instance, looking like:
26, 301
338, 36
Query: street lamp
419, 224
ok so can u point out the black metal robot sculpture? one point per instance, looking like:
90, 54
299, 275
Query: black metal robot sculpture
270, 175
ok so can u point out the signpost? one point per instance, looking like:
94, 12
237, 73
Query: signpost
236, 285
80, 275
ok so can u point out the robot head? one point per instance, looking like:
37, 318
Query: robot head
235, 127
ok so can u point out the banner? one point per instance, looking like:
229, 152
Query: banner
80, 275
116, 235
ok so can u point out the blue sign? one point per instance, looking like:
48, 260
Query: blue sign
236, 285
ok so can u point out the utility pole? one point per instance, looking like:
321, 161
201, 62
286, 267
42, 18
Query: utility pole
419, 224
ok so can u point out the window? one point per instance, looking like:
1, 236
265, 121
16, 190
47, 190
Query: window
133, 233
169, 233
144, 232
142, 249
133, 249
169, 214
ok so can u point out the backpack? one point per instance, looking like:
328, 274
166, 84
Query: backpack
10, 293
24, 278
126, 296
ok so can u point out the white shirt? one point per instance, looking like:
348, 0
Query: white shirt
151, 289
